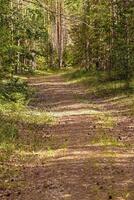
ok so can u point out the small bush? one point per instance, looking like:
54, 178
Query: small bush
14, 90
8, 130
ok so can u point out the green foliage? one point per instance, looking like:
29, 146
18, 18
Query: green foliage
22, 35
99, 83
8, 130
102, 39
99, 37
14, 90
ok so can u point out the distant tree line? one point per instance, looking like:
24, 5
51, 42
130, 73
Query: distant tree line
94, 34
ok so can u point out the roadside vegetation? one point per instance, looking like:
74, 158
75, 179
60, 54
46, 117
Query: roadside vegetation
66, 96
16, 118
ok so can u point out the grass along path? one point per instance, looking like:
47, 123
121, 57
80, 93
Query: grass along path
86, 154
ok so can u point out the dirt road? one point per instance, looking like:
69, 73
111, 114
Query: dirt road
88, 160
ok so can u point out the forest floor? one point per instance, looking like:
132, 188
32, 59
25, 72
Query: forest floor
87, 153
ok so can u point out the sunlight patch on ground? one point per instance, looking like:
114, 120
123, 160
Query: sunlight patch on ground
68, 154
106, 120
66, 196
47, 83
41, 154
114, 99
18, 112
76, 112
78, 106
37, 117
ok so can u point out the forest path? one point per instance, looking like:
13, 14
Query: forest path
85, 159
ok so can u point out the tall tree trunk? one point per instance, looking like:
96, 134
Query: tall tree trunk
18, 42
59, 31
